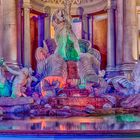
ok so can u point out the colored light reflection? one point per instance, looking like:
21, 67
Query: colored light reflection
118, 122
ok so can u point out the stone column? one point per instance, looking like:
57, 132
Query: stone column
90, 33
10, 32
47, 23
27, 37
85, 27
111, 36
138, 17
40, 30
130, 33
19, 31
119, 37
1, 28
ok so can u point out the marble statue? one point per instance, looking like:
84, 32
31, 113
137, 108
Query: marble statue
21, 81
4, 85
125, 86
136, 77
68, 49
122, 85
41, 56
133, 100
69, 55
66, 40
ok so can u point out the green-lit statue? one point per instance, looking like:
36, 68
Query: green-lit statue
69, 49
5, 90
67, 42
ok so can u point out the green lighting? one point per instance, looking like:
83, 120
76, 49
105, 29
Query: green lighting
127, 118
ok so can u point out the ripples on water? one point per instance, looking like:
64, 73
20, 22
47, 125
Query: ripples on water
118, 122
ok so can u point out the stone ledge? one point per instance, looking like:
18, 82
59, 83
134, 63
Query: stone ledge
8, 102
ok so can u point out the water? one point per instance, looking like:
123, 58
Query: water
80, 124
61, 138
91, 123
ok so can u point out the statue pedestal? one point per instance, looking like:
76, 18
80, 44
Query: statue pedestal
16, 105
72, 70
82, 102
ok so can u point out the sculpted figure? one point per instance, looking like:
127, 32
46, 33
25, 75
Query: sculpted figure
66, 40
41, 56
51, 67
88, 62
122, 85
136, 77
133, 100
4, 85
55, 66
88, 67
21, 81
125, 86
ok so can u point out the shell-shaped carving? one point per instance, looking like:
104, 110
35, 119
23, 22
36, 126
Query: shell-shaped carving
41, 54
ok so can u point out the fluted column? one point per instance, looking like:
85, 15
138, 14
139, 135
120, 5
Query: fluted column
130, 32
10, 32
1, 29
27, 37
90, 33
19, 31
111, 36
47, 23
119, 43
85, 27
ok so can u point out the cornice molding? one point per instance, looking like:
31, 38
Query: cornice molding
89, 6
26, 4
111, 4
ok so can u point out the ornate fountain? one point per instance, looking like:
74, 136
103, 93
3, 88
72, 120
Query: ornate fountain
68, 78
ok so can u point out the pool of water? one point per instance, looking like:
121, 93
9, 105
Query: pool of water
62, 138
91, 123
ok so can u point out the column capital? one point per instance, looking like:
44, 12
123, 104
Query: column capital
111, 4
47, 9
26, 4
85, 16
80, 10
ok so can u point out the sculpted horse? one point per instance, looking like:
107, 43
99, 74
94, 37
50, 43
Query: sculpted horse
68, 48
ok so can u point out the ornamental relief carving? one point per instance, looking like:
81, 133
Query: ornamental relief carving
74, 2
89, 6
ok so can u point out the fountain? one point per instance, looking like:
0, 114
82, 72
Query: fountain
68, 80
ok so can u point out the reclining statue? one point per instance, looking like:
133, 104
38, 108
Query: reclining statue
133, 100
21, 82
